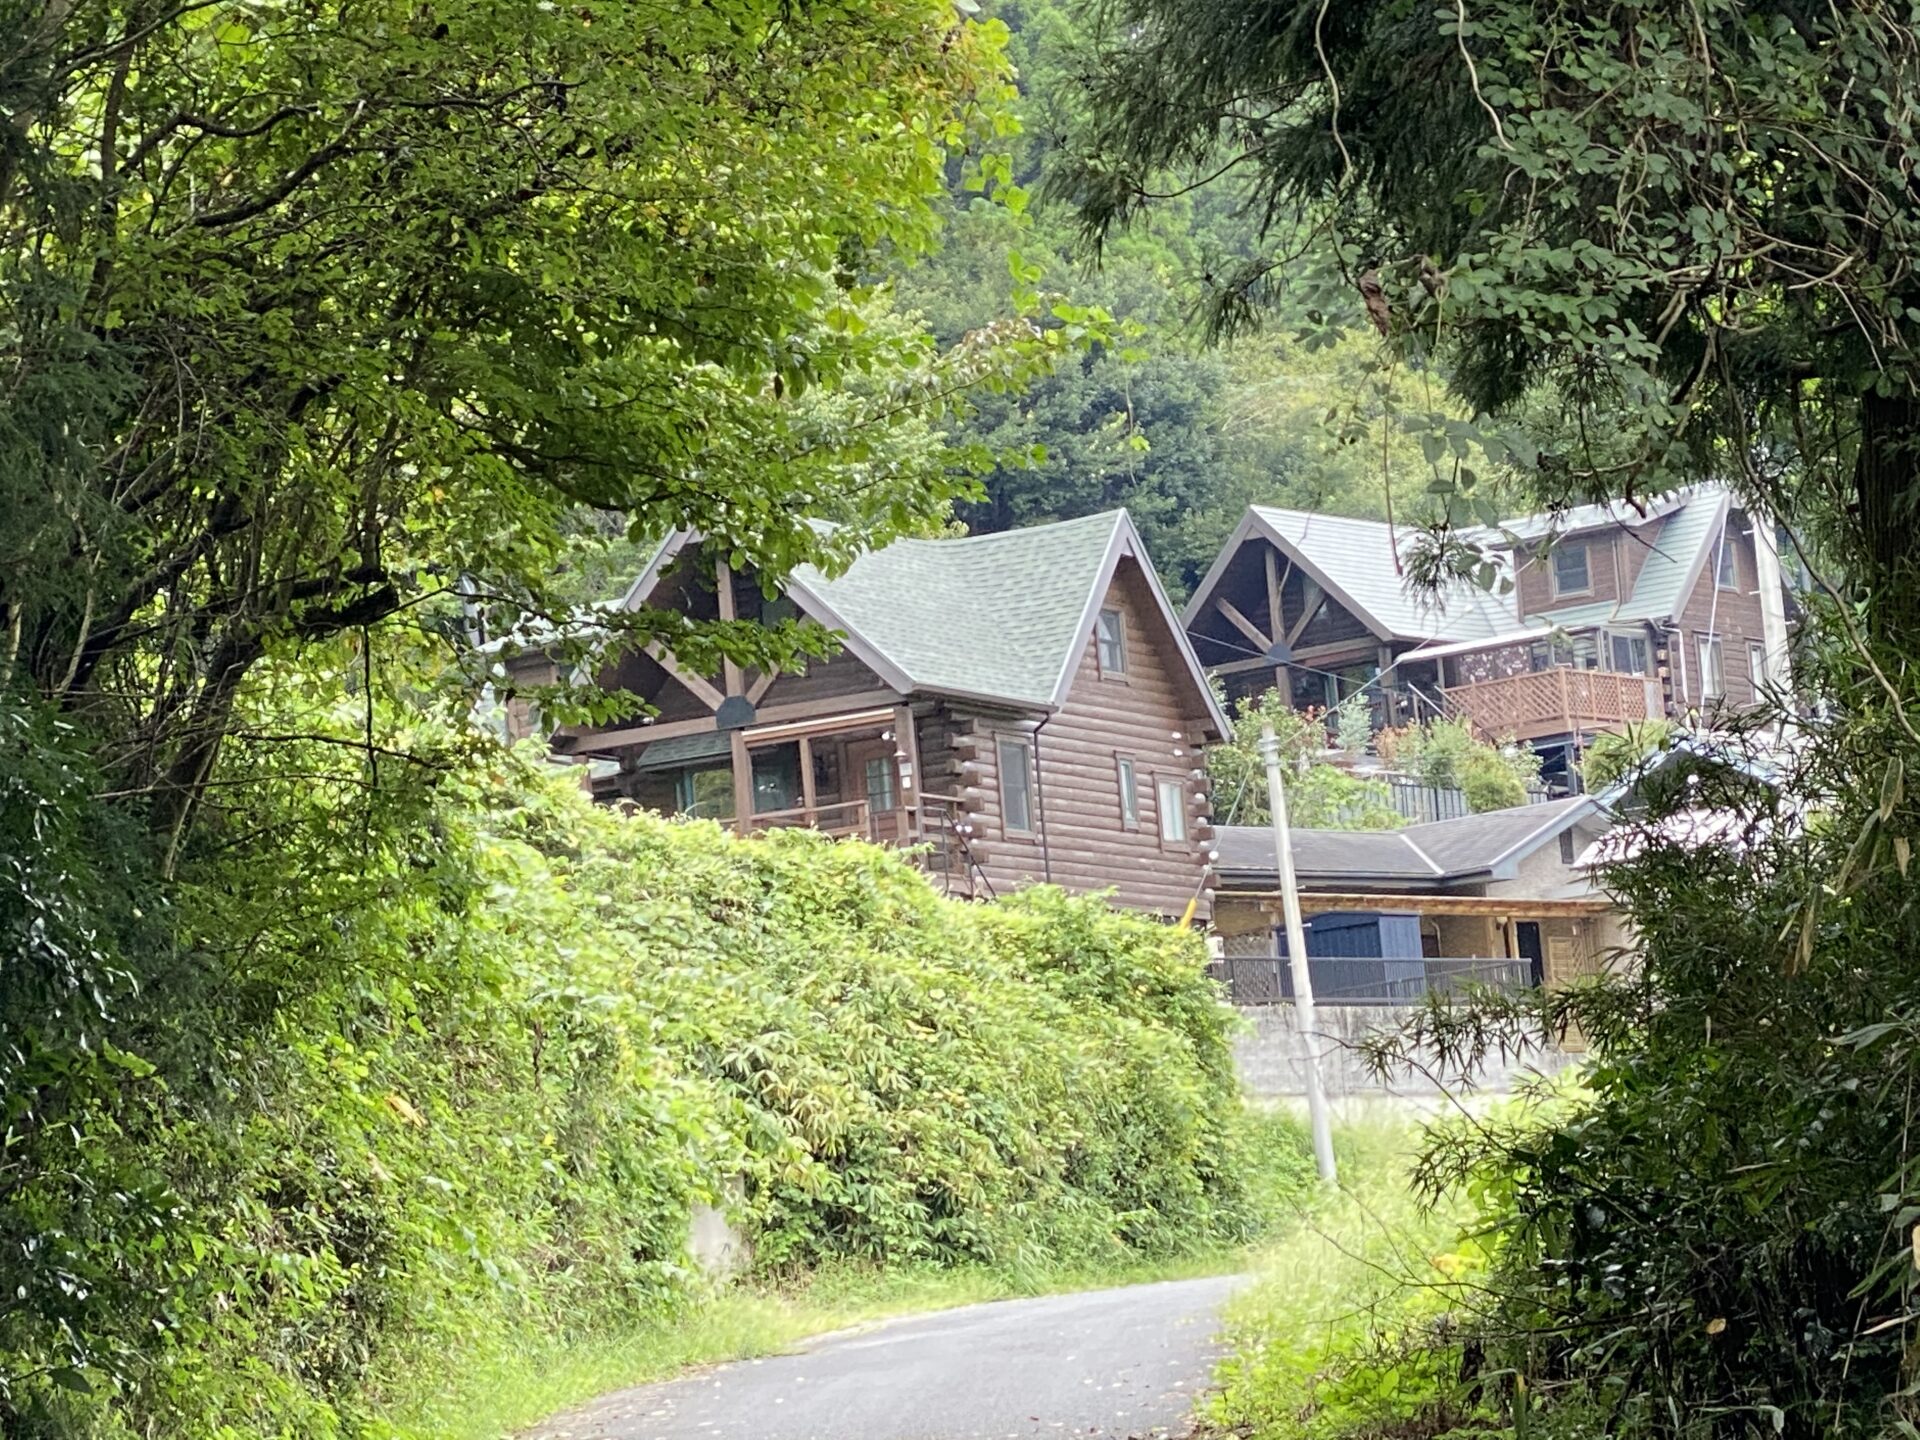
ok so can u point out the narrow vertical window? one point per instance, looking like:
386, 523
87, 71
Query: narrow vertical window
1713, 675
1756, 667
1111, 632
1016, 786
1173, 810
1129, 792
879, 778
1726, 573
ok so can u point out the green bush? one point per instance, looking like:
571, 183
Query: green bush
1448, 754
1319, 795
1611, 757
478, 1083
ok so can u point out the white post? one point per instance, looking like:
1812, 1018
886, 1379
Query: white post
1773, 602
1297, 956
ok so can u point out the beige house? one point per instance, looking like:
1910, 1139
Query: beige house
1500, 898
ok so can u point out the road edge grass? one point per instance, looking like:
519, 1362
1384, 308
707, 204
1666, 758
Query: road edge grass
505, 1388
1364, 1259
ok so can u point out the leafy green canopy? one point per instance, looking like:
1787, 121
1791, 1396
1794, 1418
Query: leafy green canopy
310, 318
1148, 417
473, 1085
1679, 242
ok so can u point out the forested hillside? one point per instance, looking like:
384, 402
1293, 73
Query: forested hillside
1182, 434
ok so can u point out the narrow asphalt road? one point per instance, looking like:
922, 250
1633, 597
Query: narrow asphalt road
1113, 1363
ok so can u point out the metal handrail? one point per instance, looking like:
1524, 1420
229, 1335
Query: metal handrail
1366, 979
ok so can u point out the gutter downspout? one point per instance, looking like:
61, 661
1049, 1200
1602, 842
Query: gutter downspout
1040, 802
1773, 608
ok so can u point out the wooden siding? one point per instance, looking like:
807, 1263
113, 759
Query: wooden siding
1733, 614
1332, 624
841, 675
1534, 577
1086, 846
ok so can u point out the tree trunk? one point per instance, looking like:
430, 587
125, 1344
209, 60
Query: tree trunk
1886, 481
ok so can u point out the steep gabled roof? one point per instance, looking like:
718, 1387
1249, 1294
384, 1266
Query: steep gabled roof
1002, 618
1678, 556
1355, 562
1418, 857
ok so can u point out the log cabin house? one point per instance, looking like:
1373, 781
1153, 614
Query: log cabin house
1613, 617
1023, 707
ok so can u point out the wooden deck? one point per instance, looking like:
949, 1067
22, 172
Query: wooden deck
1561, 701
936, 827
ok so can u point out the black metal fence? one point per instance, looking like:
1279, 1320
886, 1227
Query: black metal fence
1268, 979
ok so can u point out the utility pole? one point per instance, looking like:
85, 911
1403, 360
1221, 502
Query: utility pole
1297, 956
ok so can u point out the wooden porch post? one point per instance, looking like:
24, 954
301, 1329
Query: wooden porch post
723, 582
1275, 626
742, 760
807, 796
906, 749
742, 783
1390, 701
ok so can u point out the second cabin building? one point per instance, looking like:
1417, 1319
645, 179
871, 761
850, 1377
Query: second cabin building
1614, 617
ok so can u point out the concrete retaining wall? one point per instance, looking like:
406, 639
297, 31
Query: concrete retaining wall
1271, 1054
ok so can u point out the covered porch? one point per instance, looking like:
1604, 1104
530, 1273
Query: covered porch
1543, 682
854, 774
851, 774
1396, 949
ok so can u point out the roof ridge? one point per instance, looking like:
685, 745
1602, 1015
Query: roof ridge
1427, 859
1530, 807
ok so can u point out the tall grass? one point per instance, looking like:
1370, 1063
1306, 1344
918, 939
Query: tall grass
1318, 1345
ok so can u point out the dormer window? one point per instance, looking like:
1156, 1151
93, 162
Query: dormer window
1570, 574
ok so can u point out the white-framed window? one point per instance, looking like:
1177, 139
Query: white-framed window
1726, 573
1629, 654
1713, 670
1570, 573
1172, 796
1016, 786
1110, 633
1128, 778
1756, 666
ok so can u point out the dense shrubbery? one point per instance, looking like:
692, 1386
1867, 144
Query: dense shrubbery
1714, 1235
477, 1080
1319, 795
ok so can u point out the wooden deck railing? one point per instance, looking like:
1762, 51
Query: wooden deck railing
1560, 701
840, 819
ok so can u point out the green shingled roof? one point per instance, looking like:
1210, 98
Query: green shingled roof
1571, 617
996, 616
679, 749
1676, 558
